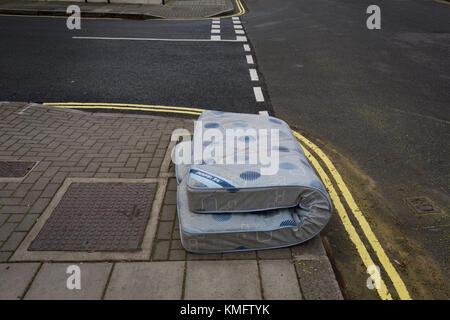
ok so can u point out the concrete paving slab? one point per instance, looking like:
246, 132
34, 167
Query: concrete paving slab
14, 279
317, 280
279, 280
51, 282
310, 250
220, 280
146, 280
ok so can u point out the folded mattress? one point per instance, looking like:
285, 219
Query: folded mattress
226, 232
214, 185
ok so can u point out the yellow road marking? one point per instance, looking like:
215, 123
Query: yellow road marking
384, 260
74, 104
240, 6
124, 108
362, 251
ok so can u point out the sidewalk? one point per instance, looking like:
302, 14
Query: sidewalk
173, 9
73, 147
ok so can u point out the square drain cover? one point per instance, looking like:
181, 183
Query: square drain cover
98, 217
422, 205
15, 169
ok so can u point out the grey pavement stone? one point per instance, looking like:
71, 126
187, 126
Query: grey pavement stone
39, 205
164, 230
31, 197
172, 185
239, 255
279, 280
317, 280
4, 256
146, 280
176, 254
171, 197
16, 217
168, 212
6, 229
14, 209
3, 218
176, 244
161, 250
13, 241
14, 279
310, 250
27, 222
281, 253
222, 280
209, 256
51, 282
10, 201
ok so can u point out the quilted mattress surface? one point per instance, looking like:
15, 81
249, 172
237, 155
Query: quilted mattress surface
227, 232
219, 183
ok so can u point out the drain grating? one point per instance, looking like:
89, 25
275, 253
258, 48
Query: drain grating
98, 217
15, 169
422, 205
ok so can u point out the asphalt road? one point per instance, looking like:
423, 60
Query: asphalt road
40, 61
378, 102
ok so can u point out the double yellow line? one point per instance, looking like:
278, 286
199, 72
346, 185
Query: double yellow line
309, 148
126, 106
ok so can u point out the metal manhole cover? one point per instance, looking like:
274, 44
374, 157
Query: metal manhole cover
15, 169
422, 205
98, 217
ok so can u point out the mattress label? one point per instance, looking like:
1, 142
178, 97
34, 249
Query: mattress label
209, 179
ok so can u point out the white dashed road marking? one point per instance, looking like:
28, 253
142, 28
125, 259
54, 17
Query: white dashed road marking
254, 75
249, 59
246, 48
215, 29
258, 94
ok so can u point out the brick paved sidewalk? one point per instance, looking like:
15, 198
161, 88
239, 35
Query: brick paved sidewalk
173, 9
71, 145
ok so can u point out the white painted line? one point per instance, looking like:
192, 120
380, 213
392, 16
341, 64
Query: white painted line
258, 94
239, 31
215, 26
215, 38
249, 59
254, 75
216, 22
238, 39
264, 113
235, 18
237, 26
241, 38
246, 48
237, 22
215, 30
